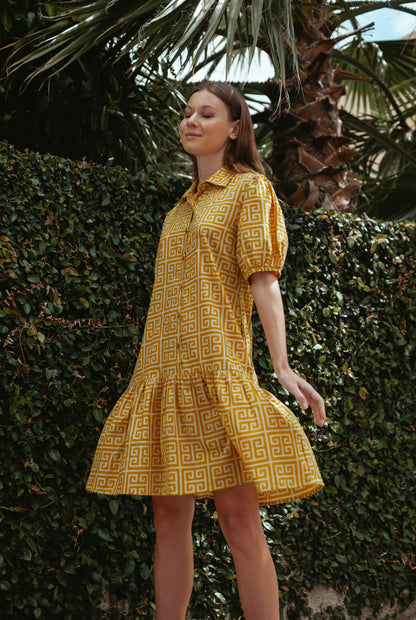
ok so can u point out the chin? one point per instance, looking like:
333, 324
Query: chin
191, 151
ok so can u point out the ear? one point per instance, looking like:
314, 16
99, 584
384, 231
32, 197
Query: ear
235, 130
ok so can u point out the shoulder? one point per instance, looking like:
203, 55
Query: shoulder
248, 179
254, 184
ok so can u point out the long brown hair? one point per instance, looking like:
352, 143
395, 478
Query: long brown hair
241, 155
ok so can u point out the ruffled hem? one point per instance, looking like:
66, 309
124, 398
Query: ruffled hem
197, 433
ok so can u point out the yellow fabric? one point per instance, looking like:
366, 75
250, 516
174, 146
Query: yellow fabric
194, 419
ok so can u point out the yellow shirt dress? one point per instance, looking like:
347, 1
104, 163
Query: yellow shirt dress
194, 419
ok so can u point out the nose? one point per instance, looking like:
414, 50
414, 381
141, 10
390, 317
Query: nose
192, 119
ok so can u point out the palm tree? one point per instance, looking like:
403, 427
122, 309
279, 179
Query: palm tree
306, 149
309, 155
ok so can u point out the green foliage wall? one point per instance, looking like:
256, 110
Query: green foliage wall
77, 244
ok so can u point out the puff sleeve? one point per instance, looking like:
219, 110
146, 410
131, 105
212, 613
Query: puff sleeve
261, 238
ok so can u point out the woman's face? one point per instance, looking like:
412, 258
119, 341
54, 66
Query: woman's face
206, 126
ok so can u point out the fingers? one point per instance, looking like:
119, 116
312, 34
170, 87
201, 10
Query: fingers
302, 401
316, 403
305, 394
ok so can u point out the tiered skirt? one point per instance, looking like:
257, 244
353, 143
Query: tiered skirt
195, 434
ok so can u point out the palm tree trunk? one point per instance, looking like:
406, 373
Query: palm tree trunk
310, 155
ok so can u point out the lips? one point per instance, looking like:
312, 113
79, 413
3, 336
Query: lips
192, 135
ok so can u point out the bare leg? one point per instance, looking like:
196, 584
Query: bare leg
239, 517
173, 555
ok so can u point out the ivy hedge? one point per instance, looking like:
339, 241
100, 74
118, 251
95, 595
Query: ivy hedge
77, 244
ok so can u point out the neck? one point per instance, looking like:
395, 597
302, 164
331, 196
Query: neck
207, 167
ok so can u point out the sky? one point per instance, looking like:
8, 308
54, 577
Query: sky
389, 24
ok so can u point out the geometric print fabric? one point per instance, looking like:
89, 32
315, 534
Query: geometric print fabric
194, 419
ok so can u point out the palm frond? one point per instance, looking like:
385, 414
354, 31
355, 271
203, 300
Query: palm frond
154, 29
386, 164
390, 68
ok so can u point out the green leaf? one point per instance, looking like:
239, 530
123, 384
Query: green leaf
104, 535
114, 506
5, 585
220, 597
27, 554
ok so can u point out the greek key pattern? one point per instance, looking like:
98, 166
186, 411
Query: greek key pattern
194, 419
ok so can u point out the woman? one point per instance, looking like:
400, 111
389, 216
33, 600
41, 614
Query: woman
194, 421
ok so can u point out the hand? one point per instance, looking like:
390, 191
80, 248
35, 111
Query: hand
304, 393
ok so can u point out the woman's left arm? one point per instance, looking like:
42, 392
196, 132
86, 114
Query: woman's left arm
267, 297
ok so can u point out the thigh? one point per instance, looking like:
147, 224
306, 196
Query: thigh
242, 498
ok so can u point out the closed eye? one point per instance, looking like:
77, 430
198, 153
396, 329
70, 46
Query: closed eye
203, 116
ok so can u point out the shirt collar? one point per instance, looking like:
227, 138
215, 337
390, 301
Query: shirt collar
220, 178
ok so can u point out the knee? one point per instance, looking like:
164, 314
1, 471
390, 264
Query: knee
172, 515
241, 531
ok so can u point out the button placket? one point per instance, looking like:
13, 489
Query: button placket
183, 273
